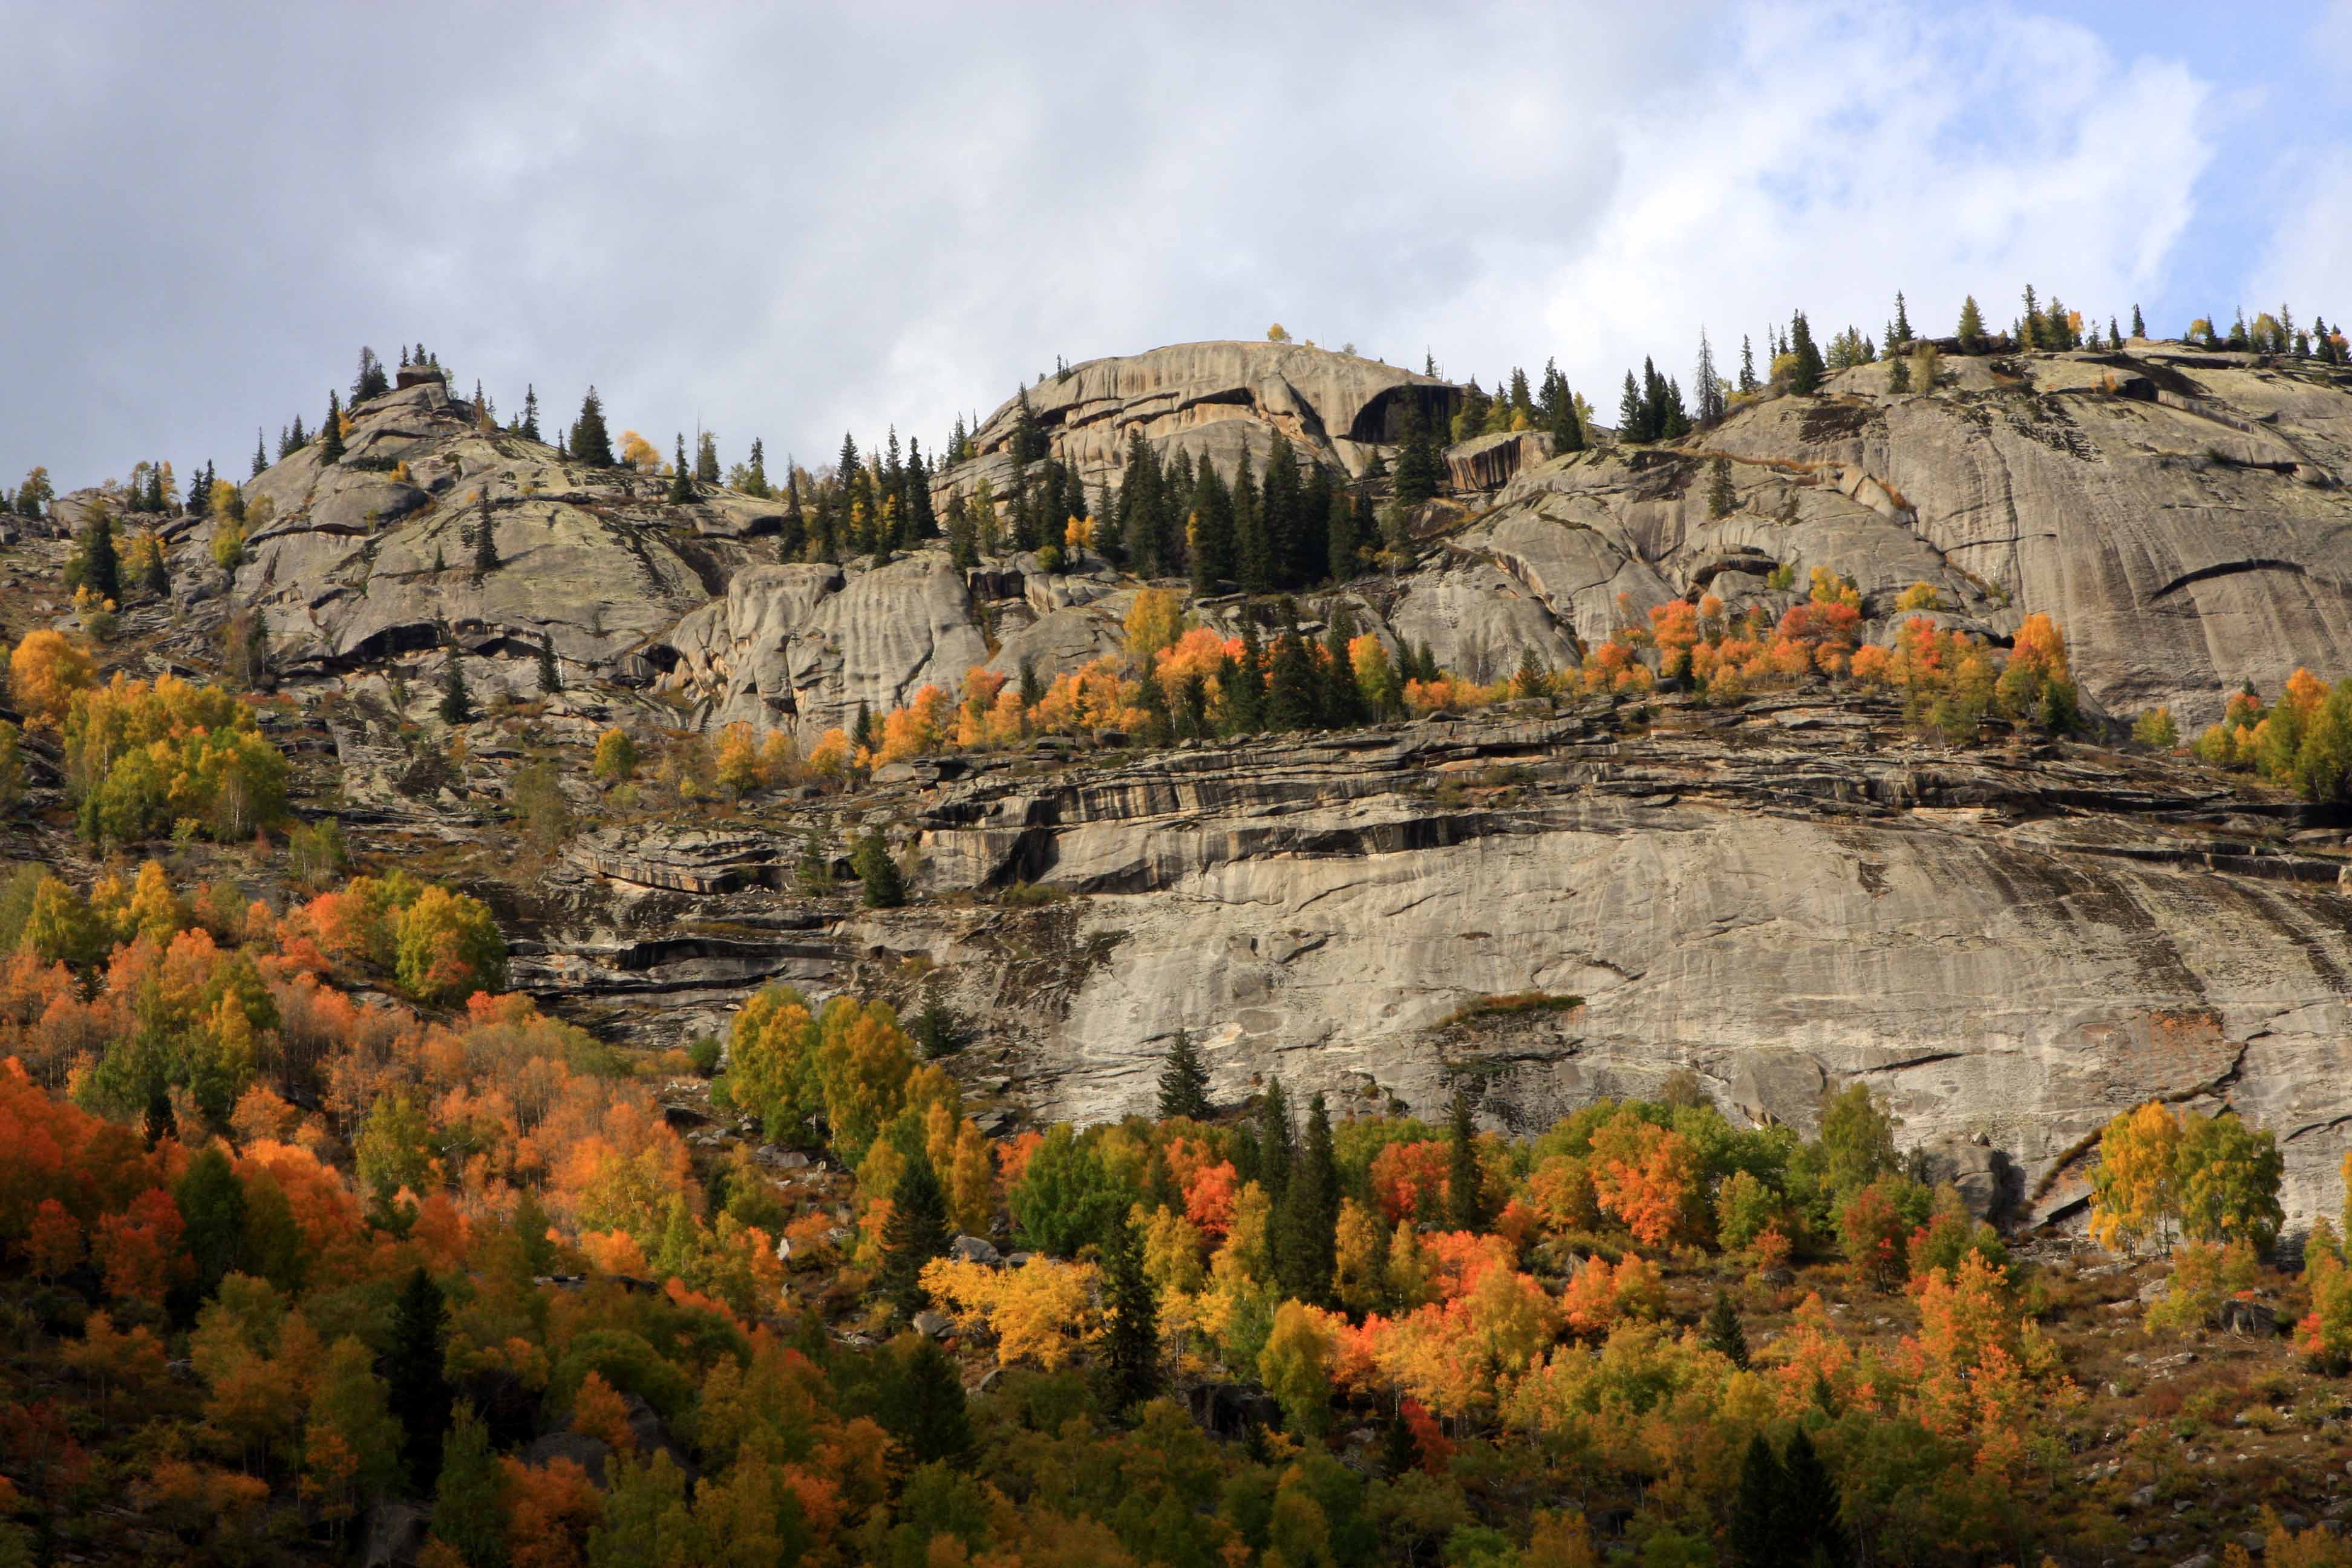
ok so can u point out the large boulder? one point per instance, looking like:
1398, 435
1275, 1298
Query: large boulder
804, 647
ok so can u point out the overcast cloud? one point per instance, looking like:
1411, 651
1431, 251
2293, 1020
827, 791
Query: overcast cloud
793, 223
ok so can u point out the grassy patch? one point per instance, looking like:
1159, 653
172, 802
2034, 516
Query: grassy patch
1511, 1005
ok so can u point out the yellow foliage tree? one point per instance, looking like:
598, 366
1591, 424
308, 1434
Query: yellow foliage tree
45, 674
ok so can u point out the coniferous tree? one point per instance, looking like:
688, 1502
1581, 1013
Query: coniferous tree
591, 444
416, 1388
755, 472
1309, 558
1747, 367
2139, 327
1130, 1368
681, 478
922, 520
1305, 1251
1033, 688
1420, 473
1343, 705
96, 566
2114, 334
371, 381
486, 538
1253, 551
880, 884
1184, 1082
1465, 1188
1898, 374
528, 426
926, 1412
1806, 376
916, 1232
1809, 1507
1292, 700
1900, 331
1275, 1138
1136, 525
862, 731
1706, 384
550, 679
1724, 1334
1349, 511
1721, 499
1633, 412
457, 704
706, 459
1756, 1524
200, 494
1971, 332
331, 433
1212, 531
1245, 687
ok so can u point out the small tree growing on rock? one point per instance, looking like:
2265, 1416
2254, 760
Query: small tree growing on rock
877, 874
456, 703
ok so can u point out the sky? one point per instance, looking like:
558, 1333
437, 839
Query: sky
792, 221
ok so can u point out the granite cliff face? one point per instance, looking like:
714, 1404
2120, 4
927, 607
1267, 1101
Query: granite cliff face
2014, 941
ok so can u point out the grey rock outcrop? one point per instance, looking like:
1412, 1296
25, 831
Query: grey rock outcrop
2011, 946
2180, 515
1214, 401
801, 646
371, 557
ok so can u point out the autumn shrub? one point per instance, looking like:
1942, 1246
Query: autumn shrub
45, 672
446, 946
140, 757
2205, 1274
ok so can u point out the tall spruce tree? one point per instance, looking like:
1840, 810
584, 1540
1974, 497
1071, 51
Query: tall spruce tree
681, 477
1757, 1522
1253, 553
916, 1232
706, 459
1707, 387
550, 679
1213, 532
1184, 1082
371, 381
1420, 472
456, 703
486, 537
1276, 1137
1465, 1195
1806, 375
2139, 327
1747, 383
1722, 1333
528, 426
881, 886
1306, 1250
1632, 412
1810, 1507
331, 432
1343, 704
1721, 499
591, 444
1244, 685
1130, 1365
416, 1388
1293, 700
1279, 509
95, 565
1899, 330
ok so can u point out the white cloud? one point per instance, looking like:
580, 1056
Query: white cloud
787, 224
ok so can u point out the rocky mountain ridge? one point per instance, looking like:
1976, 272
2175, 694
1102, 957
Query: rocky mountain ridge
1778, 895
